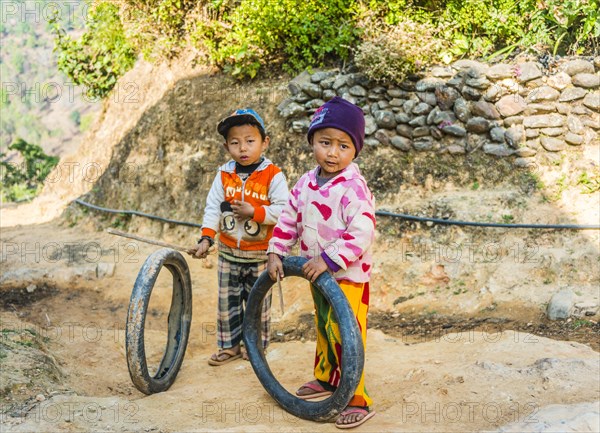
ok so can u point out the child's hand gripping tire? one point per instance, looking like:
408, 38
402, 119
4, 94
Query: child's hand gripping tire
180, 317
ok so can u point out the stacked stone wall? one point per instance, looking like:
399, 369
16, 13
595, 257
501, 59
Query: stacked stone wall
523, 110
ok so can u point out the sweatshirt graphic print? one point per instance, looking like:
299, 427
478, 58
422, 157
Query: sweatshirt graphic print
337, 219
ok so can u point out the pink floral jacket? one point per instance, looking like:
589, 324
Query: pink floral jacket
336, 221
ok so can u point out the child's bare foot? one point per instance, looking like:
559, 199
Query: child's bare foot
353, 416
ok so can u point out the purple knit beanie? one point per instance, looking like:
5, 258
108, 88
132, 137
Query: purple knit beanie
340, 114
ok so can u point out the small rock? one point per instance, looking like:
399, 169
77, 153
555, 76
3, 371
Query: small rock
572, 94
471, 93
515, 136
396, 93
312, 90
573, 139
295, 86
314, 103
497, 134
500, 71
485, 109
579, 66
511, 105
327, 83
497, 150
402, 118
421, 131
404, 130
478, 125
40, 397
540, 109
428, 84
532, 133
445, 97
587, 81
292, 110
370, 125
418, 121
480, 83
524, 162
454, 130
575, 125
462, 110
527, 71
543, 93
383, 136
592, 101
320, 76
428, 98
328, 94
560, 305
300, 126
358, 91
441, 72
340, 81
423, 143
552, 144
525, 152
421, 108
401, 143
385, 119
513, 120
552, 132
409, 105
544, 121
472, 66
31, 288
559, 81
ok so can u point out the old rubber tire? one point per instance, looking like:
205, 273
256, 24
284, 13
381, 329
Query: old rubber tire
352, 347
180, 317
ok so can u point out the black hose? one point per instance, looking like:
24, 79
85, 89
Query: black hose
477, 224
134, 212
380, 213
352, 346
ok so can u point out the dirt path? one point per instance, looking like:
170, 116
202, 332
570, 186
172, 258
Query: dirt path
472, 380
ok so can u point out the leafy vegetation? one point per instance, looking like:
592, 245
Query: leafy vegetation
21, 181
388, 39
100, 56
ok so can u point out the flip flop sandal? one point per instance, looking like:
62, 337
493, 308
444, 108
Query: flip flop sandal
316, 387
368, 414
231, 356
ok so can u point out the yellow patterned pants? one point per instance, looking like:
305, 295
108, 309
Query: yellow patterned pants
328, 356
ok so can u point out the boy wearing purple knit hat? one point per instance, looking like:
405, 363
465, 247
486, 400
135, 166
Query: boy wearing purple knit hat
331, 212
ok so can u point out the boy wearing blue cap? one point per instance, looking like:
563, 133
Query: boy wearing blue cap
243, 205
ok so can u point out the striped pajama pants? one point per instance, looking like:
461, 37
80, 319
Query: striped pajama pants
328, 355
235, 282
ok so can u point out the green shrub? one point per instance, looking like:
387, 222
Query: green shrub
294, 34
157, 28
100, 56
388, 53
22, 181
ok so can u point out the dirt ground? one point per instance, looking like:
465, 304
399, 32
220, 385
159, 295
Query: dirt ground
425, 373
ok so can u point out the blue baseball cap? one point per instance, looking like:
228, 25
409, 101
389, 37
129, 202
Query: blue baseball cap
243, 116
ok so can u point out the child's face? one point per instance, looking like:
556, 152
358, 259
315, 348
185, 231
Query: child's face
333, 150
245, 144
